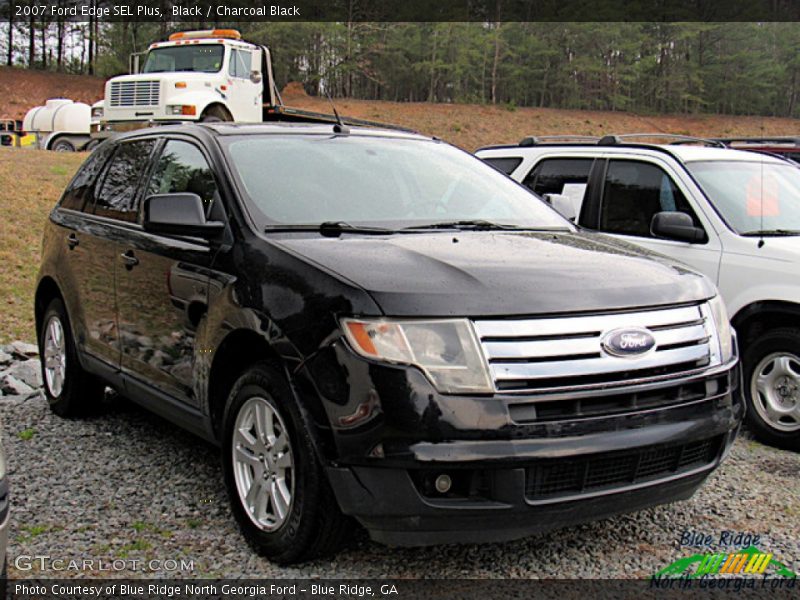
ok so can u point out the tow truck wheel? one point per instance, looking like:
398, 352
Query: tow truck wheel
215, 114
63, 146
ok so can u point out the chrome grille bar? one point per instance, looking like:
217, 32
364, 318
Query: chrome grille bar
135, 93
534, 354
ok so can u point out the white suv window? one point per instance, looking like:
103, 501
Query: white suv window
633, 192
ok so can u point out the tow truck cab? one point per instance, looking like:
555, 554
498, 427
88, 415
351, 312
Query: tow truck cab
209, 75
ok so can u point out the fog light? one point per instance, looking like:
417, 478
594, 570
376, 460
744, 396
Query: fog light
443, 483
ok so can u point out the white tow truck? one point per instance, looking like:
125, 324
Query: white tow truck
209, 75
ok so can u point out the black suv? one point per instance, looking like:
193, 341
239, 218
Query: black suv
375, 324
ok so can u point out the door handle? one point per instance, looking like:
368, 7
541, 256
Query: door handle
129, 259
72, 241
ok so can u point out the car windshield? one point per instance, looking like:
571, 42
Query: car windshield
394, 183
202, 58
753, 197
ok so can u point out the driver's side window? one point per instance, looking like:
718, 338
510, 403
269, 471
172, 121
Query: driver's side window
183, 168
634, 191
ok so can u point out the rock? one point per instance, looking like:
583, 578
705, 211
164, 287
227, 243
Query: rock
24, 349
5, 358
14, 387
29, 372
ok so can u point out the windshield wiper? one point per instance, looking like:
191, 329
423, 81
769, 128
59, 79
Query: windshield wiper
480, 225
771, 232
328, 228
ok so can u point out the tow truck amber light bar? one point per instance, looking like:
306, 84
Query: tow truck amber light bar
230, 34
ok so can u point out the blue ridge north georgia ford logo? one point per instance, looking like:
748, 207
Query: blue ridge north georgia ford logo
628, 342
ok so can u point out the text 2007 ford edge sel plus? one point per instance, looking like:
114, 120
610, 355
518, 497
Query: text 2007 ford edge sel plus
376, 325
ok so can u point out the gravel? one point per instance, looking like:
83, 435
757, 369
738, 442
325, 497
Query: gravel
128, 486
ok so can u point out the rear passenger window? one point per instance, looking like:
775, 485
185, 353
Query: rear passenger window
117, 196
183, 168
504, 164
635, 191
78, 192
551, 176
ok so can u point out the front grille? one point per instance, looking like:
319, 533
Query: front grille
546, 353
554, 479
135, 93
577, 406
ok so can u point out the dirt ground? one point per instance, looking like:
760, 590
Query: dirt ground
467, 125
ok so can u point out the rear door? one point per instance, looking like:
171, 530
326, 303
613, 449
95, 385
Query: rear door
86, 266
162, 281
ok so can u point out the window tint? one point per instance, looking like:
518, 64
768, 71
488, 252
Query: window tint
633, 193
503, 164
117, 197
551, 175
78, 191
240, 64
183, 168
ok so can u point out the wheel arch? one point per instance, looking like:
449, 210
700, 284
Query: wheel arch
216, 106
239, 350
46, 291
755, 318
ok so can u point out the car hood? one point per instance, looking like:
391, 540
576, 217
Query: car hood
501, 273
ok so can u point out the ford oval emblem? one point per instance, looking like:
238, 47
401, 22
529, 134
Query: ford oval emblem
628, 342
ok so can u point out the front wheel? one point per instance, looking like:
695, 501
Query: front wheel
772, 386
276, 485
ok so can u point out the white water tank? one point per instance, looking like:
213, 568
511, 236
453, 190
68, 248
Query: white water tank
59, 115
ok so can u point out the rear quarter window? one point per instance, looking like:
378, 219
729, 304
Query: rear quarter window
79, 189
504, 164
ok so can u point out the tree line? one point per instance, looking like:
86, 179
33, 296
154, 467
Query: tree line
727, 68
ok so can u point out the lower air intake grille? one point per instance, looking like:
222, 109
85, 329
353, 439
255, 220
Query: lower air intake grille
555, 478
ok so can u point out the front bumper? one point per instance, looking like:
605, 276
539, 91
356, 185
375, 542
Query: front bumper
511, 477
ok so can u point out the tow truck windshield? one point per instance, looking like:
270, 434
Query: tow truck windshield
201, 58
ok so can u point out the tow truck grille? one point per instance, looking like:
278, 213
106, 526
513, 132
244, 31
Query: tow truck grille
135, 93
565, 352
557, 479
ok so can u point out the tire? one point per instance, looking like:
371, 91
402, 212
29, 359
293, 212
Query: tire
70, 391
215, 114
772, 381
63, 146
312, 525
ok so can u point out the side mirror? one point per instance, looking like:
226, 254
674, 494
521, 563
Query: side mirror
255, 76
563, 204
178, 214
674, 225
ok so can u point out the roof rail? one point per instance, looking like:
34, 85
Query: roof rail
613, 140
777, 139
535, 140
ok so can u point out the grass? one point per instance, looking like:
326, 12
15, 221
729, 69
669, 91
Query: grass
30, 184
26, 434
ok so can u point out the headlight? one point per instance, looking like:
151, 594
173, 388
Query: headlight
447, 351
97, 112
182, 109
724, 331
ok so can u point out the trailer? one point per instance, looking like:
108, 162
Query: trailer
60, 125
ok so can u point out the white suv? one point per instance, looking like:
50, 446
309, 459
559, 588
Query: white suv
731, 214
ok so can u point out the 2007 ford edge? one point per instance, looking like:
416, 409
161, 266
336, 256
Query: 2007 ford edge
376, 325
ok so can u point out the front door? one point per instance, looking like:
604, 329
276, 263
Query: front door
635, 190
162, 281
244, 92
